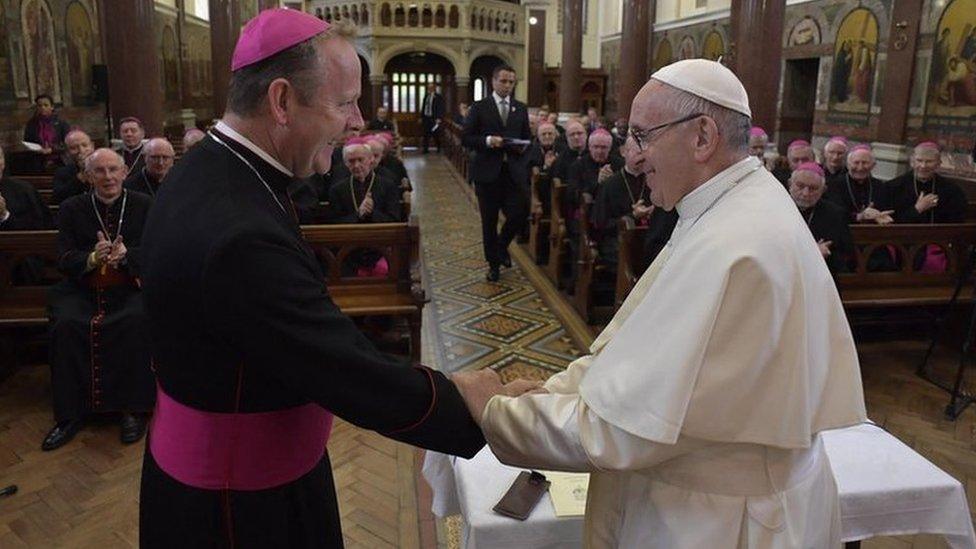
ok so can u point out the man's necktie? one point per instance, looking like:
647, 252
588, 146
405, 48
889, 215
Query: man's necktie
503, 110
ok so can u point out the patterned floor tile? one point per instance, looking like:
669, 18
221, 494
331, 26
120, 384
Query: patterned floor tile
477, 324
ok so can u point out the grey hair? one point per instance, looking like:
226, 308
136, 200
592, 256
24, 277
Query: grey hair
149, 144
732, 126
90, 159
298, 64
349, 149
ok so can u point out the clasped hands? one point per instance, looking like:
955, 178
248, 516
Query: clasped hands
366, 207
870, 213
108, 252
479, 386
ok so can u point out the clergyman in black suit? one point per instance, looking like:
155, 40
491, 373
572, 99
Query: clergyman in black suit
498, 169
431, 113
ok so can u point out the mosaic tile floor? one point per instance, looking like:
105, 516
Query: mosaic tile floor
471, 323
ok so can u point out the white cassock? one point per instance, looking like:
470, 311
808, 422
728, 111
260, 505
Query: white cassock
698, 409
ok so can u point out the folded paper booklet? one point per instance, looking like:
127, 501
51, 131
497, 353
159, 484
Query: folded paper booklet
568, 492
33, 146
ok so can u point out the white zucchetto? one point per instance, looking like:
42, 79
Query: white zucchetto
709, 80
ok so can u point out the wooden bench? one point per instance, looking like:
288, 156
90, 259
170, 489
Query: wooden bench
539, 222
40, 182
559, 252
591, 275
860, 289
399, 293
906, 287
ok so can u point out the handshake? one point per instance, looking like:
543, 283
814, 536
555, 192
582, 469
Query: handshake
477, 387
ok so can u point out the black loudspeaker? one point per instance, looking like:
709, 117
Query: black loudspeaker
100, 83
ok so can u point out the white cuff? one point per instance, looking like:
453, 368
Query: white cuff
488, 140
6, 216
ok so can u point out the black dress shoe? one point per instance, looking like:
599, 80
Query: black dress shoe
507, 262
133, 428
493, 274
61, 434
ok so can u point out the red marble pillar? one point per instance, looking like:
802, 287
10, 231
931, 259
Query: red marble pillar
224, 28
570, 73
132, 56
757, 54
638, 15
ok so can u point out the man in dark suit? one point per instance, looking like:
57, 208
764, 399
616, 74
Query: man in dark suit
499, 171
431, 113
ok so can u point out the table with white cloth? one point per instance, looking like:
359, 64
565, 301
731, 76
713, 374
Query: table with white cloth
885, 488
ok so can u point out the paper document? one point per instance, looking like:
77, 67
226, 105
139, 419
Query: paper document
568, 492
33, 146
518, 142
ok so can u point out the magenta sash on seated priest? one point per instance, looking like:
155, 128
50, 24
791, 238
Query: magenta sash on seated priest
244, 451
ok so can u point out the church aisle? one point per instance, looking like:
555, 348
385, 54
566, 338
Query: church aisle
471, 323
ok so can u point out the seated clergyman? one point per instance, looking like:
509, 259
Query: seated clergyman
921, 195
542, 157
865, 198
365, 196
622, 194
99, 348
159, 157
798, 152
827, 221
21, 207
70, 179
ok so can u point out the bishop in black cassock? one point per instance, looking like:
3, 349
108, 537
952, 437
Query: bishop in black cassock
99, 348
252, 355
827, 221
21, 207
921, 195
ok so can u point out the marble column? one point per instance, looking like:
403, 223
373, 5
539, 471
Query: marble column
632, 74
132, 56
224, 28
571, 70
757, 55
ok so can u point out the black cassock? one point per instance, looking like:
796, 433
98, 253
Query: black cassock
536, 157
27, 210
853, 197
241, 322
828, 222
952, 200
66, 183
615, 198
142, 182
345, 197
99, 346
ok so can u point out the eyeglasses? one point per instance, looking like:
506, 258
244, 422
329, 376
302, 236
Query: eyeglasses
643, 138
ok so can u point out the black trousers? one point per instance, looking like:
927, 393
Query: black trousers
428, 125
506, 195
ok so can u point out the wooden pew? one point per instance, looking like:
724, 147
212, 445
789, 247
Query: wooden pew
40, 182
860, 288
558, 235
591, 275
397, 294
539, 224
906, 287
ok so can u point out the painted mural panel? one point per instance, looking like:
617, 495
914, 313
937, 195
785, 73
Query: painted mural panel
686, 49
81, 52
805, 32
714, 47
42, 65
952, 77
855, 60
663, 56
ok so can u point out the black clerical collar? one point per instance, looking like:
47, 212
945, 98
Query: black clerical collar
106, 204
133, 149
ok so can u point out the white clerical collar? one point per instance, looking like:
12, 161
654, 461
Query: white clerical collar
499, 99
697, 201
249, 145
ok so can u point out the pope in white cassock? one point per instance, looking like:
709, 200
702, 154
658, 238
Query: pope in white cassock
698, 410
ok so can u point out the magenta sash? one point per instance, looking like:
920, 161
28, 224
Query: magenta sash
226, 451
